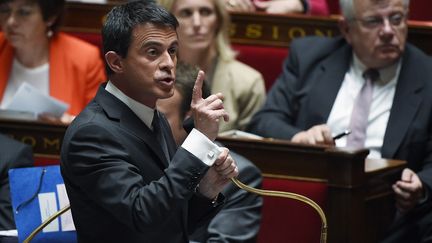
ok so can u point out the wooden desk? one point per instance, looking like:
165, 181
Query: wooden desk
357, 191
246, 28
45, 138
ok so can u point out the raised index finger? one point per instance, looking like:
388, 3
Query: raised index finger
197, 89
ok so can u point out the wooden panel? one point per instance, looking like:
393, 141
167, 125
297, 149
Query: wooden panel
45, 138
247, 28
358, 189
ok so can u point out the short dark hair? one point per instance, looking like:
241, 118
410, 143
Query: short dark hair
49, 8
122, 19
185, 80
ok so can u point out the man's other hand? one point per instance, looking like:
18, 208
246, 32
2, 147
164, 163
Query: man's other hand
409, 191
219, 175
319, 134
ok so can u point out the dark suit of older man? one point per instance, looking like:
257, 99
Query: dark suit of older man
304, 94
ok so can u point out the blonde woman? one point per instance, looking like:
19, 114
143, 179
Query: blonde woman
204, 42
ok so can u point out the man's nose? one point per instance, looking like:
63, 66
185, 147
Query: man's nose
387, 30
168, 61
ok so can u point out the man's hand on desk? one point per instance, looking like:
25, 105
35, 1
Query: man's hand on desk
219, 175
409, 191
319, 134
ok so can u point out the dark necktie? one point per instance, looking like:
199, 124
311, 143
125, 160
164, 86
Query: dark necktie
156, 124
360, 114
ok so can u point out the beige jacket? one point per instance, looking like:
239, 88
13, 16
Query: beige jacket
243, 89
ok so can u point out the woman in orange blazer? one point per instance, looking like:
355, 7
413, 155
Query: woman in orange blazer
69, 69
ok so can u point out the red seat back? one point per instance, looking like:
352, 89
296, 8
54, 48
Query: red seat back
267, 60
290, 221
93, 38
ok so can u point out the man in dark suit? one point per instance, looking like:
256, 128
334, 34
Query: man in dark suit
13, 154
239, 219
125, 178
320, 86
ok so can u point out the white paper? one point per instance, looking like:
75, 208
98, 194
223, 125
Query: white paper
66, 220
88, 1
48, 207
239, 134
30, 99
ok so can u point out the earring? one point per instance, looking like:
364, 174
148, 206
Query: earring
49, 33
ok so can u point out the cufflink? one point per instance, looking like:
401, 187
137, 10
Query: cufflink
210, 155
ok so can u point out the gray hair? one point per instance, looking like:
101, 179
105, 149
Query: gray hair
348, 10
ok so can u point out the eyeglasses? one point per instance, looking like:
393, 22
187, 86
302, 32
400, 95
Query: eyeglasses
374, 22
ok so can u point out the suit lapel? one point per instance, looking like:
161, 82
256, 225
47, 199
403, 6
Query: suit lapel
117, 110
329, 78
405, 105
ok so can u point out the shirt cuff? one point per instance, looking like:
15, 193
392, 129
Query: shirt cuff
199, 145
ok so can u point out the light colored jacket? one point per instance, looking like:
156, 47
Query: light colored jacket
243, 89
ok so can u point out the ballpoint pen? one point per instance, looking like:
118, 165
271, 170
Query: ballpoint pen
342, 134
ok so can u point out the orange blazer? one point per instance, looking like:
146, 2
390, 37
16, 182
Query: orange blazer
75, 70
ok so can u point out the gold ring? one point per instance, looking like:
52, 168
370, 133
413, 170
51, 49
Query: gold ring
232, 3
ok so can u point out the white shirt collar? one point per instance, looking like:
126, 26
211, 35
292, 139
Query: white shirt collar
144, 112
387, 74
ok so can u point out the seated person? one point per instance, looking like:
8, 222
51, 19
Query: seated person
372, 82
239, 219
204, 42
313, 7
32, 51
13, 154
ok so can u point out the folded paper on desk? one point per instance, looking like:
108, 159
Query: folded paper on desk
239, 134
18, 115
30, 99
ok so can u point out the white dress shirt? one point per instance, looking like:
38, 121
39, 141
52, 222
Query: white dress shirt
196, 143
382, 100
37, 77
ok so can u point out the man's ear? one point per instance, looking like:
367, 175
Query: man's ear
114, 61
344, 28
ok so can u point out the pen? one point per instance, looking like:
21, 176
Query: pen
342, 134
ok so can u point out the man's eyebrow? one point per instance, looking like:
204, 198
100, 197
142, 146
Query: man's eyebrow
174, 43
152, 43
159, 44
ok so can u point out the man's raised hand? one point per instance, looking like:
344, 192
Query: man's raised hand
207, 112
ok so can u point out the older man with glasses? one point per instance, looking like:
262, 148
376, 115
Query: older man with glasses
373, 83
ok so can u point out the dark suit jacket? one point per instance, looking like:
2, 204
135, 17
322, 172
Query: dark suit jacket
304, 93
120, 185
13, 154
239, 219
